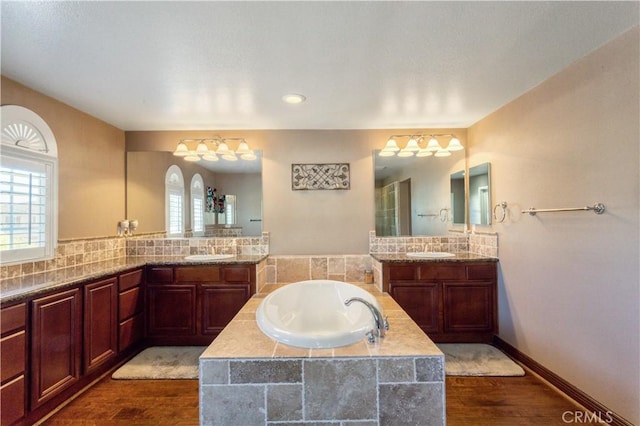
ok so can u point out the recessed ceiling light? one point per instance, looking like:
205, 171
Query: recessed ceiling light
293, 98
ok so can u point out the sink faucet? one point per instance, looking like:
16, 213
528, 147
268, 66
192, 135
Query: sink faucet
382, 324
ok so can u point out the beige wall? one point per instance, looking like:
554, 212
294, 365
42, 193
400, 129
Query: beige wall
305, 222
569, 294
90, 160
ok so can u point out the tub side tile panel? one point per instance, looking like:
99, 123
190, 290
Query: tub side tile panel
340, 389
234, 405
394, 370
430, 369
411, 404
268, 371
284, 402
214, 372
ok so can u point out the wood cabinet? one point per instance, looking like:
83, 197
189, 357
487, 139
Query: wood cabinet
450, 301
190, 305
13, 364
100, 323
56, 344
130, 309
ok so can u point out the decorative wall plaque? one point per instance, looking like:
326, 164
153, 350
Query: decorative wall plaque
320, 176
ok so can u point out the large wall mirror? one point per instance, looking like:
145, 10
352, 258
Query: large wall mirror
240, 181
412, 194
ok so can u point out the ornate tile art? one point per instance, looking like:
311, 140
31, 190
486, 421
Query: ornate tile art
320, 176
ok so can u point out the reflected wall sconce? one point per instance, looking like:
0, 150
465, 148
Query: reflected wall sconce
210, 149
419, 146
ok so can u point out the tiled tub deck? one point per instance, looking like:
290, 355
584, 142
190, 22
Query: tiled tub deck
248, 379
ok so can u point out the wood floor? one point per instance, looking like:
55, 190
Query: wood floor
473, 401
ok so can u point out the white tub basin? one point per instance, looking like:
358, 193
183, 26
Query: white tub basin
312, 314
430, 254
209, 256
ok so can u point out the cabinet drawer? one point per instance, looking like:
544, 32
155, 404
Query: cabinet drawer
13, 318
160, 275
12, 351
131, 302
482, 272
402, 273
236, 274
12, 401
208, 274
433, 271
130, 331
130, 280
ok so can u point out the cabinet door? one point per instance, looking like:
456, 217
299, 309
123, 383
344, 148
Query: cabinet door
171, 310
56, 346
468, 307
131, 331
100, 323
220, 304
421, 302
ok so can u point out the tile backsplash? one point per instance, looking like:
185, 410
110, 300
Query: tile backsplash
483, 244
278, 269
72, 253
69, 254
288, 269
146, 246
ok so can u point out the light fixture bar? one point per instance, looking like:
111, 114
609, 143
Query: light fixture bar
209, 149
416, 145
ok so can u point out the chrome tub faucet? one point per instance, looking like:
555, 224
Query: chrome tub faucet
382, 324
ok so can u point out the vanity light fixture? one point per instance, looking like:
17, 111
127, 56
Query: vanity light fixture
417, 146
213, 148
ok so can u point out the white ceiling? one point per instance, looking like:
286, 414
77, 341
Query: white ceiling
225, 65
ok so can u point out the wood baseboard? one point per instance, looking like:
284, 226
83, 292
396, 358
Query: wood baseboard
606, 415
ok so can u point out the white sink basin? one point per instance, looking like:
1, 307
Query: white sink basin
209, 256
430, 254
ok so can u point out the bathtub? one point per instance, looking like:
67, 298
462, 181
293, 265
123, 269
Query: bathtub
312, 314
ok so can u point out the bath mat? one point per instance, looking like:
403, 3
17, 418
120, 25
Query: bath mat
162, 362
475, 359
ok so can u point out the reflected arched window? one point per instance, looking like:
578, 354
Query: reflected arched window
197, 205
174, 202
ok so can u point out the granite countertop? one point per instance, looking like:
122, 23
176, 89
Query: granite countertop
403, 258
242, 337
21, 288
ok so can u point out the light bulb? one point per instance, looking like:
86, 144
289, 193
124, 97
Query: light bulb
181, 150
433, 145
202, 148
454, 145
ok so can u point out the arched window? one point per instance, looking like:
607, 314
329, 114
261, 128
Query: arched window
197, 205
28, 187
174, 202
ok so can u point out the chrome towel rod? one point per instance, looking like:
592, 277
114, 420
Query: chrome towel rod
597, 208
